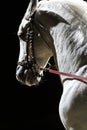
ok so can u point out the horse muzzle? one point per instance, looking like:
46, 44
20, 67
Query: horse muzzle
28, 75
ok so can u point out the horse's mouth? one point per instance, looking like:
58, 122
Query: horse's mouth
27, 76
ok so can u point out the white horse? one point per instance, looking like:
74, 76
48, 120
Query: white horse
60, 30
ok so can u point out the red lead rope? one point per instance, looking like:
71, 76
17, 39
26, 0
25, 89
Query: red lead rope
67, 74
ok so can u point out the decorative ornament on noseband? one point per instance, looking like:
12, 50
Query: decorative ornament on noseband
30, 62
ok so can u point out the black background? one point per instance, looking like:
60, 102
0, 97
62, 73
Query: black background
20, 106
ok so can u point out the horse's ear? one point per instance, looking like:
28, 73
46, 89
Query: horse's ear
31, 8
48, 18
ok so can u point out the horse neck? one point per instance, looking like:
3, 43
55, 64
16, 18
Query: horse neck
68, 42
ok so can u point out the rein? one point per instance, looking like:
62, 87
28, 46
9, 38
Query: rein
81, 78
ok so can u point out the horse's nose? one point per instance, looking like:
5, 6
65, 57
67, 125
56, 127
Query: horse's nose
20, 73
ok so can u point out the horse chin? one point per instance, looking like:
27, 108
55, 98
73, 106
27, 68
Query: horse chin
27, 77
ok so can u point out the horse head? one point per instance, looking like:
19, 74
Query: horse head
36, 43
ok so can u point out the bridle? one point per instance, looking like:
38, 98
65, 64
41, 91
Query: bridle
30, 62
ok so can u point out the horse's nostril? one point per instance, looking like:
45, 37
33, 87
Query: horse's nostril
18, 67
19, 73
